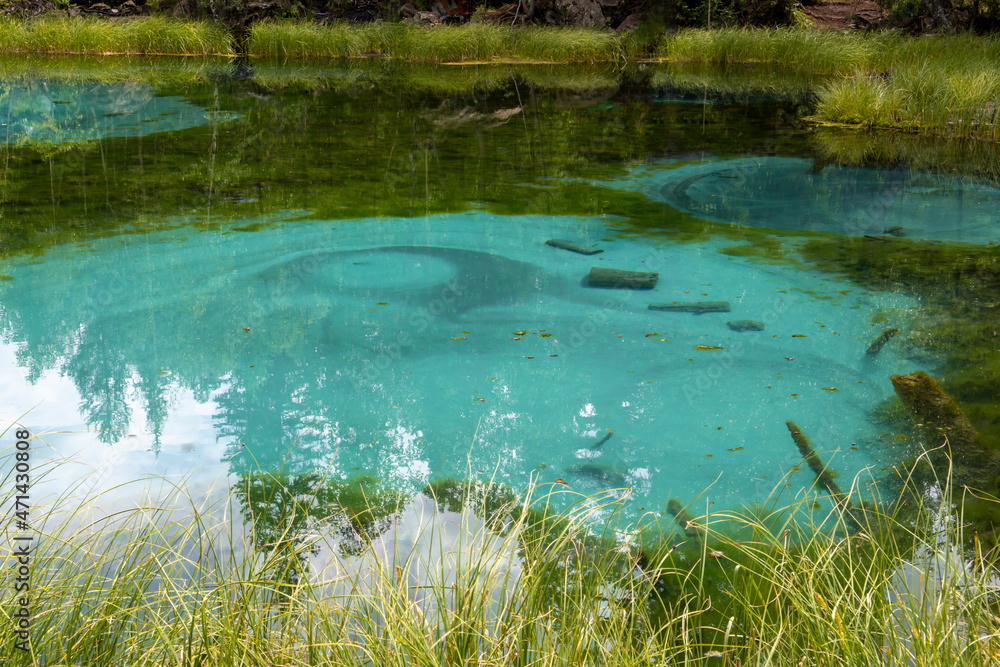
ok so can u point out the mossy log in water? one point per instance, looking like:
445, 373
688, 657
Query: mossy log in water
882, 339
824, 477
940, 414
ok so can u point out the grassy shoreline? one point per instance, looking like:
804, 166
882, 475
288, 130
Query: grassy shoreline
490, 579
934, 85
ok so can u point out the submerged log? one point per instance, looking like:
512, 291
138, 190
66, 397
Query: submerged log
573, 246
938, 412
601, 277
745, 325
604, 473
824, 477
603, 440
697, 307
882, 339
685, 519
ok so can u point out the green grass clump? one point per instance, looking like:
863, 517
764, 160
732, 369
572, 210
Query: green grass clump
821, 52
946, 85
862, 101
87, 35
473, 42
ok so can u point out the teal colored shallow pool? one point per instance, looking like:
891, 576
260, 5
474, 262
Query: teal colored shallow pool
449, 345
351, 278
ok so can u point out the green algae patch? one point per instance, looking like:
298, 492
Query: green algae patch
768, 249
377, 139
252, 227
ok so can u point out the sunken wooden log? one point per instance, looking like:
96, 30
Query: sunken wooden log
824, 477
745, 325
970, 458
603, 440
882, 339
685, 519
601, 277
697, 307
573, 247
938, 412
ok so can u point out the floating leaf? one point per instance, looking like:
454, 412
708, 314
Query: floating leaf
466, 332
382, 303
245, 329
462, 338
799, 336
560, 480
708, 347
529, 357
553, 355
541, 466
829, 389
708, 456
480, 399
789, 358
734, 449
651, 334
793, 394
520, 333
516, 338
546, 335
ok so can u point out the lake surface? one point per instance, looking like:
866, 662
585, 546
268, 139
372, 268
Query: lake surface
212, 272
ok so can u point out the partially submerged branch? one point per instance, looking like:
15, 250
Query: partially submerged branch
686, 520
824, 477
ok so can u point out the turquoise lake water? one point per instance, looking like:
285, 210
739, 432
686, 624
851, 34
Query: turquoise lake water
222, 299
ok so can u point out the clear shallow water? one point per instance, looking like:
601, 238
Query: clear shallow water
334, 278
55, 112
806, 195
392, 347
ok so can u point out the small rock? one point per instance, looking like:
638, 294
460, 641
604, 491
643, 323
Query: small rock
408, 10
631, 22
426, 18
745, 325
